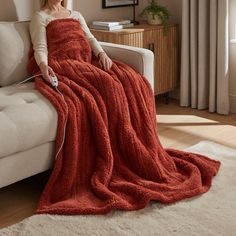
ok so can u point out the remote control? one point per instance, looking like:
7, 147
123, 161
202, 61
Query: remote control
54, 81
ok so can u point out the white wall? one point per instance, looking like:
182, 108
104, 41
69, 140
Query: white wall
232, 55
91, 9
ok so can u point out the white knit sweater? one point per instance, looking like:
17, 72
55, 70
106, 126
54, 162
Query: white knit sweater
38, 34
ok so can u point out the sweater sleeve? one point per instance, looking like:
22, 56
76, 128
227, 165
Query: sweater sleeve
39, 39
94, 44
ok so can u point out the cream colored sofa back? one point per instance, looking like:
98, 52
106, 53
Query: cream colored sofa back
15, 39
22, 10
18, 10
14, 49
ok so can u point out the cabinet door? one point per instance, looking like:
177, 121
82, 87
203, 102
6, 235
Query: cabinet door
165, 48
105, 37
130, 38
171, 46
134, 39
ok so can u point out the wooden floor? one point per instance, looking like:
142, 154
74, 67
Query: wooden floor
177, 128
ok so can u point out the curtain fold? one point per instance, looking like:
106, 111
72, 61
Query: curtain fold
204, 55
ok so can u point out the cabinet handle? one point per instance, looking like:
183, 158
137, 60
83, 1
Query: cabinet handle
151, 47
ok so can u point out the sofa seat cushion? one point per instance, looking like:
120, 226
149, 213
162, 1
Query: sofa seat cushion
27, 119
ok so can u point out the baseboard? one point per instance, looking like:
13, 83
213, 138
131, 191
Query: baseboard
175, 94
232, 103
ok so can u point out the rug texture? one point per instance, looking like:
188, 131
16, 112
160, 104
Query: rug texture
211, 214
112, 157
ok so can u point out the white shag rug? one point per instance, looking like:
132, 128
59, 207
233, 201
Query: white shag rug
213, 213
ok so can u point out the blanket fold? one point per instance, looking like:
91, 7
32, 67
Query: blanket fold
112, 157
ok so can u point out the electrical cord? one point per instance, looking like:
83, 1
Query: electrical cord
32, 77
56, 88
64, 130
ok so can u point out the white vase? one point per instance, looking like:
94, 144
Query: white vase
153, 20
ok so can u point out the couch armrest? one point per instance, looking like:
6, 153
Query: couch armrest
142, 60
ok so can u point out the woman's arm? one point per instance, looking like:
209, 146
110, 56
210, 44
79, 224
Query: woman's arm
96, 47
104, 61
39, 40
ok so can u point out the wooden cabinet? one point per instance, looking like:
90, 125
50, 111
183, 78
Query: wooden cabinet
163, 44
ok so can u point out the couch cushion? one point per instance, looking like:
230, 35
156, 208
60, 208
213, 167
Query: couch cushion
27, 119
14, 48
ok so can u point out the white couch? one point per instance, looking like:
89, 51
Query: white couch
28, 122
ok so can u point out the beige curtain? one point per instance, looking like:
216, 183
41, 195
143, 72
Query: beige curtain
204, 55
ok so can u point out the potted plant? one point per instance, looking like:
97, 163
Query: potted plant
156, 14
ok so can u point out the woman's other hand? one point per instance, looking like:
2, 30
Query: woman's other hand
104, 61
46, 71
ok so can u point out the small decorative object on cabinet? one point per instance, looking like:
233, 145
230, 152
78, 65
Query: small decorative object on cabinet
163, 44
156, 14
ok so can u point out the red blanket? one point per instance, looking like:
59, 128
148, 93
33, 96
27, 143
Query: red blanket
112, 157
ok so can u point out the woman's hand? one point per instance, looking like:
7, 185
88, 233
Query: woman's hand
104, 61
46, 71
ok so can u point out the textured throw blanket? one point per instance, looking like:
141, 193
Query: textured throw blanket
112, 157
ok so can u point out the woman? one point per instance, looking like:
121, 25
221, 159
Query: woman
53, 9
112, 157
